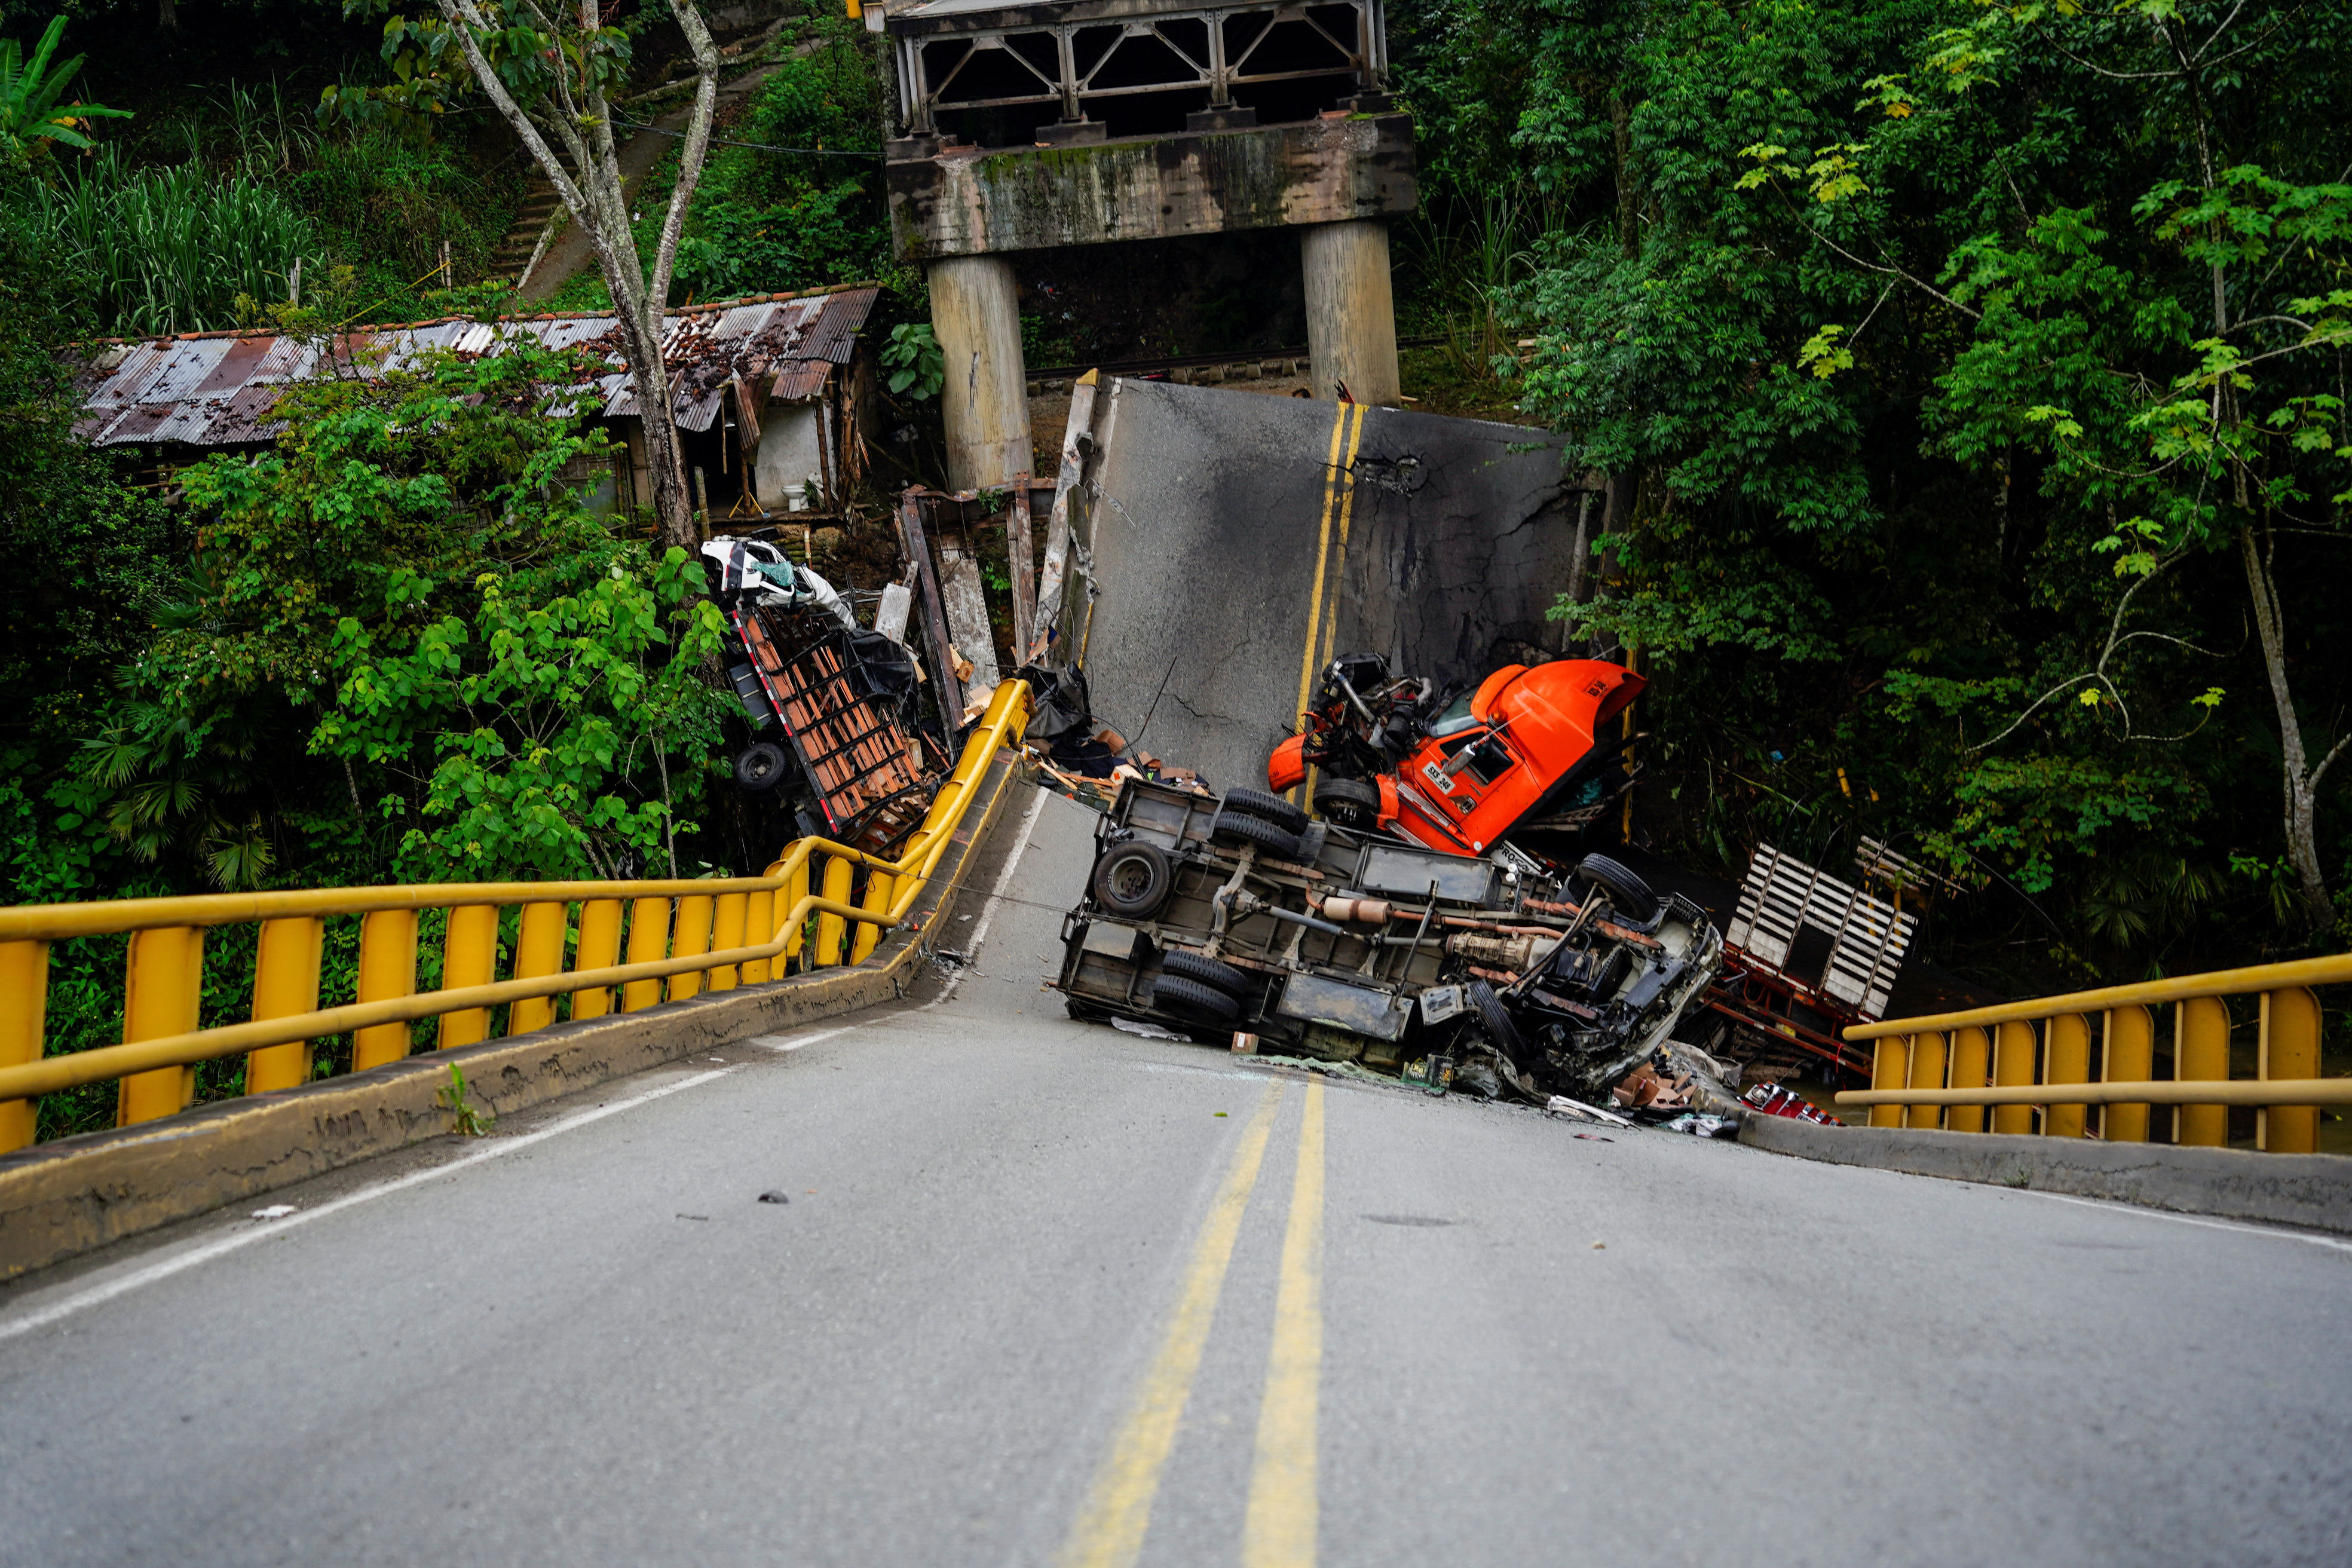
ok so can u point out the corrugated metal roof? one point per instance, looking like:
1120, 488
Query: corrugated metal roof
218, 389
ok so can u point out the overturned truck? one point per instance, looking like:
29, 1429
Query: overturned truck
1240, 916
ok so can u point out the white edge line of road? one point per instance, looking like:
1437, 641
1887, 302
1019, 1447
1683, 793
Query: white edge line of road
988, 909
2110, 1206
41, 1317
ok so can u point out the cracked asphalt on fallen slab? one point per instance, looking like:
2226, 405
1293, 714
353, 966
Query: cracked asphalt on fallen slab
1045, 1292
1235, 532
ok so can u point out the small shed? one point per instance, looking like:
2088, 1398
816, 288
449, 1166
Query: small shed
772, 392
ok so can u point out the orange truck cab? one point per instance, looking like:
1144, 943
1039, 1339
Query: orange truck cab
1506, 754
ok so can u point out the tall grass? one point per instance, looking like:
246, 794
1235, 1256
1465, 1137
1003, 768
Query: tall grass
170, 249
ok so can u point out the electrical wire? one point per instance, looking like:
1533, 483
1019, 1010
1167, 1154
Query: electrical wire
754, 146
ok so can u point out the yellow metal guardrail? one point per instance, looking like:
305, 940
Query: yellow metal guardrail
1947, 1068
715, 935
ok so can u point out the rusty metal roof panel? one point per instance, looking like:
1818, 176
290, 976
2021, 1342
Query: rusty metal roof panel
800, 381
218, 391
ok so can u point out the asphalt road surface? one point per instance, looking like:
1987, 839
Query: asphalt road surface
1046, 1292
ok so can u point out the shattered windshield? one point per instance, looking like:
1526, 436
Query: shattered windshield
1457, 718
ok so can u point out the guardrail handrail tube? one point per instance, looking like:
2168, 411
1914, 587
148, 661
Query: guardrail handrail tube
1994, 1056
25, 932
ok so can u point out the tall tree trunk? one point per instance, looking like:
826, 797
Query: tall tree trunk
2301, 781
587, 179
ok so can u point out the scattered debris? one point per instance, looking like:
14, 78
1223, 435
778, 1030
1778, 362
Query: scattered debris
275, 1210
1150, 1031
1699, 1126
1774, 1101
772, 1196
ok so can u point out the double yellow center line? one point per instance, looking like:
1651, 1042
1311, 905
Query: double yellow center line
1339, 506
1279, 1528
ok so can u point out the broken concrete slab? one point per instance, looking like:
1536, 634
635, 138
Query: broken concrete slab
1238, 542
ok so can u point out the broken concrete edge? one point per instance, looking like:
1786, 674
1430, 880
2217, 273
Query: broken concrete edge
2312, 1190
60, 1200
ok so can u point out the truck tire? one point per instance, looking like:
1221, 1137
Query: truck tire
1234, 827
1349, 803
1497, 1022
1132, 880
759, 767
1629, 893
1269, 808
1207, 970
1191, 999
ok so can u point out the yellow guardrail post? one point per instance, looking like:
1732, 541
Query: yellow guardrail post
285, 985
690, 940
876, 898
24, 1021
727, 934
2129, 1058
758, 930
1971, 1068
160, 997
2200, 1054
469, 957
1890, 1067
2068, 1056
831, 928
600, 948
387, 971
796, 892
2014, 1051
648, 940
1926, 1071
539, 952
2290, 1048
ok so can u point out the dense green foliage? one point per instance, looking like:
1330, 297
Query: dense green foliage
170, 249
1970, 375
33, 105
790, 196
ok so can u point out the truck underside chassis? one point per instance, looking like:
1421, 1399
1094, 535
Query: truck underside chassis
1239, 915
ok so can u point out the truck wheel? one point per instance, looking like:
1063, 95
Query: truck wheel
1208, 970
1132, 880
759, 767
1191, 999
1498, 1024
1234, 828
1347, 802
1629, 893
1271, 807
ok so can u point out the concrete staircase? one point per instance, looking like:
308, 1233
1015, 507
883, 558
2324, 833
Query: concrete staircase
539, 203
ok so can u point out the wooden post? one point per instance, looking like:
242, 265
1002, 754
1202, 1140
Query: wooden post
917, 547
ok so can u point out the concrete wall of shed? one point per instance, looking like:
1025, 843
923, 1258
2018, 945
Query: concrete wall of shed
790, 457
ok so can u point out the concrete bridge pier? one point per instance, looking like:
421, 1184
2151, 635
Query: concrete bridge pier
1351, 310
976, 314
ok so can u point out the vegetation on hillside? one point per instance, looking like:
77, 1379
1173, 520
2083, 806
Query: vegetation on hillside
1973, 377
